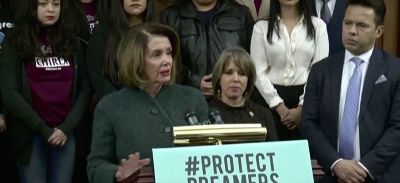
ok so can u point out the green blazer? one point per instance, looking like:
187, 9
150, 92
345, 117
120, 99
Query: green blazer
130, 120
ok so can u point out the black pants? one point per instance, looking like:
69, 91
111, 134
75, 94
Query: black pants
8, 169
290, 96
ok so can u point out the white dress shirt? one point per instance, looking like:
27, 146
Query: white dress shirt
288, 60
348, 69
331, 6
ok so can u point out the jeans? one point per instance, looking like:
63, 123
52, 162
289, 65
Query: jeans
49, 164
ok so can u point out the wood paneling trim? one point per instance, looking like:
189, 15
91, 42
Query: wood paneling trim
390, 38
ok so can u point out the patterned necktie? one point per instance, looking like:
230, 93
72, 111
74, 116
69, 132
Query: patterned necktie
347, 131
325, 12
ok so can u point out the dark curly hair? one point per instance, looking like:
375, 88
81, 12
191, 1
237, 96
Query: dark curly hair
27, 27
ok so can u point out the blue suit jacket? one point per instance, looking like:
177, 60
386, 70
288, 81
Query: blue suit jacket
335, 25
379, 117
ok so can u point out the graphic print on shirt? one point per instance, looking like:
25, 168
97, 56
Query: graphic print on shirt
50, 77
46, 50
50, 63
6, 25
92, 22
90, 12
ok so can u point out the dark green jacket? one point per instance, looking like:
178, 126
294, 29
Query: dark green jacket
23, 121
130, 121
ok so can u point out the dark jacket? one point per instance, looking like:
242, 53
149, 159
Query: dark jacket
231, 25
335, 25
24, 122
6, 25
95, 58
379, 115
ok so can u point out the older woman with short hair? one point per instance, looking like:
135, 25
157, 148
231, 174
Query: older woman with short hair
134, 62
140, 116
233, 81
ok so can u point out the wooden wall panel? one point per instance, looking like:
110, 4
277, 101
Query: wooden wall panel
390, 40
398, 30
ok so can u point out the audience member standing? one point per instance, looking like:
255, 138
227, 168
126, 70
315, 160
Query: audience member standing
6, 25
115, 18
45, 90
85, 17
8, 172
6, 19
332, 12
351, 113
283, 49
206, 28
89, 9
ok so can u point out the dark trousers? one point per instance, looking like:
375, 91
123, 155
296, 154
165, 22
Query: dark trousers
83, 140
290, 96
8, 168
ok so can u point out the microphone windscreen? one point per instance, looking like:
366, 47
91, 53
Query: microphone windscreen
215, 116
192, 118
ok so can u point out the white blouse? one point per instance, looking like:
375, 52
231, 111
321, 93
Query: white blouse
288, 60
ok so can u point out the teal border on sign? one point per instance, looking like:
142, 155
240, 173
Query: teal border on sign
269, 162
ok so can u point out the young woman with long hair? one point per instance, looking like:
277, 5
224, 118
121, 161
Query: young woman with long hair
283, 48
115, 18
45, 90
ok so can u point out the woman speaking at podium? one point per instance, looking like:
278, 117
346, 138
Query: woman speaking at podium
233, 80
141, 116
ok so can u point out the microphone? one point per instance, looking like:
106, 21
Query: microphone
192, 118
215, 116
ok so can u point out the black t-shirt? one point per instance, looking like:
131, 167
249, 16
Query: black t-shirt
205, 16
249, 113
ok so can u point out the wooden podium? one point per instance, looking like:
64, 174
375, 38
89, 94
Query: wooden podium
146, 175
317, 170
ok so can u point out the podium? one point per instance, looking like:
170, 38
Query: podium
146, 174
317, 170
217, 134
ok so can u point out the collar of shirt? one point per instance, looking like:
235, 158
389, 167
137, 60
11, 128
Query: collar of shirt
365, 56
300, 22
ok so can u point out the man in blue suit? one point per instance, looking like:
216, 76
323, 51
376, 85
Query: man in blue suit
351, 112
335, 10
